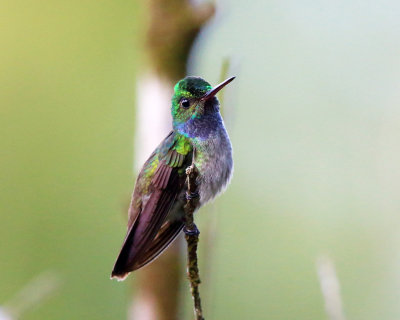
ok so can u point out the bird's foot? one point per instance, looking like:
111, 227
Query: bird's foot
194, 231
191, 195
189, 170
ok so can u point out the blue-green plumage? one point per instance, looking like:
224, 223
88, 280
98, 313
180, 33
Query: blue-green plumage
156, 212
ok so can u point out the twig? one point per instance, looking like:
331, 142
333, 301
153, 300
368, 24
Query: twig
226, 64
31, 295
172, 27
192, 239
330, 288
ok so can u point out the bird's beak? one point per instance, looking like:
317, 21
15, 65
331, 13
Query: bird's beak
216, 89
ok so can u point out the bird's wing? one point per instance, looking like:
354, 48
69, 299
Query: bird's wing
157, 187
168, 232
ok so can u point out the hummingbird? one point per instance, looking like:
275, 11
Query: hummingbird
156, 213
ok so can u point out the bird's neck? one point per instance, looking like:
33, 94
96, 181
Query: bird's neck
201, 128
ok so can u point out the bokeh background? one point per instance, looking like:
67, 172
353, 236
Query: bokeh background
314, 119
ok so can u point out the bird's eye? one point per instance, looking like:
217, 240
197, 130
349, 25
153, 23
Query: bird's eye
185, 103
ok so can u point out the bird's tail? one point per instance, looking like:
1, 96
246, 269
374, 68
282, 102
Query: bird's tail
125, 264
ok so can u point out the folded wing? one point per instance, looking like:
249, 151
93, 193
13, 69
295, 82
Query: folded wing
149, 230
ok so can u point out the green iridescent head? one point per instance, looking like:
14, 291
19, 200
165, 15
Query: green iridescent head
193, 97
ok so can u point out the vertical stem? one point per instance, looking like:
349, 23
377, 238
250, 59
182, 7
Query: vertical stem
173, 26
193, 274
192, 239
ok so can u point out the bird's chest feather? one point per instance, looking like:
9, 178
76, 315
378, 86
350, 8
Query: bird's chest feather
214, 161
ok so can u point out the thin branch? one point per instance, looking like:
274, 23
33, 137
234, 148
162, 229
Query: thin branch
330, 288
192, 239
31, 295
226, 63
172, 27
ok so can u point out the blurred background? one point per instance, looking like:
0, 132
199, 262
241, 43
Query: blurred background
314, 119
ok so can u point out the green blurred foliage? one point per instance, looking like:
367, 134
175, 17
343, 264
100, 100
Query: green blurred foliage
67, 77
314, 120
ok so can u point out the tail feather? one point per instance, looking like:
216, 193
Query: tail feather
125, 264
164, 238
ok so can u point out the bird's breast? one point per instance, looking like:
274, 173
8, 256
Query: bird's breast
214, 161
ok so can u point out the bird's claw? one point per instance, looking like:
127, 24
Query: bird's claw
189, 170
191, 195
194, 231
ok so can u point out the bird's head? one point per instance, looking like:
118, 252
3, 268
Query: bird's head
193, 99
